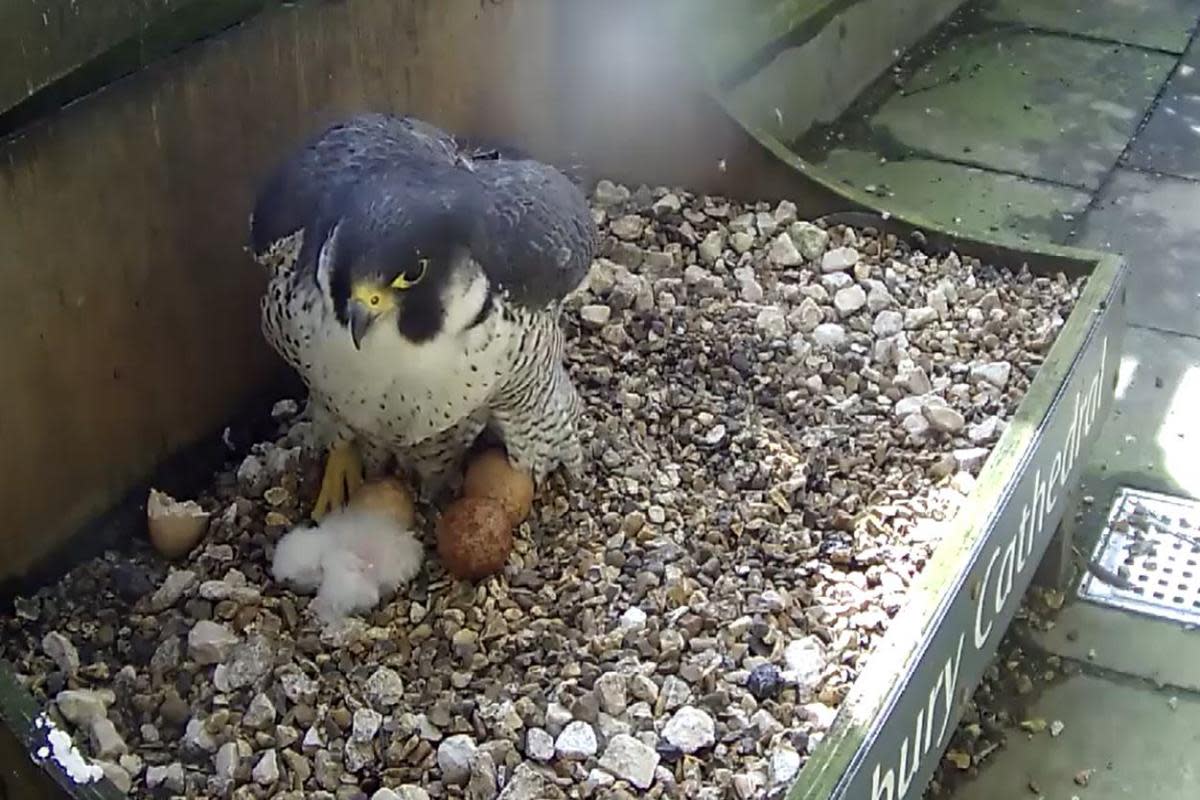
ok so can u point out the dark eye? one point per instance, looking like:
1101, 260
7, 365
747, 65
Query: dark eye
411, 277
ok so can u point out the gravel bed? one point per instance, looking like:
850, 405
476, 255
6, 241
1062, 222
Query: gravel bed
783, 419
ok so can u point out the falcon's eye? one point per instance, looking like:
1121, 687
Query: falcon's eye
411, 277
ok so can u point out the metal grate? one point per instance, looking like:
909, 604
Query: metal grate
1151, 552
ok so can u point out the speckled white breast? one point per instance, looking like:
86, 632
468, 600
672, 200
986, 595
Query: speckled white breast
390, 390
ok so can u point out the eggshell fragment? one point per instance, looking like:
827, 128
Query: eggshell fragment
490, 475
175, 527
474, 537
389, 496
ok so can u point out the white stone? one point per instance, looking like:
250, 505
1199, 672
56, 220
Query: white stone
971, 459
526, 783
766, 223
839, 259
631, 760
384, 688
667, 204
595, 316
577, 741
454, 756
783, 252
830, 334
690, 730
771, 322
597, 779
82, 707
995, 373
557, 718
809, 239
836, 281
175, 585
916, 425
612, 689
634, 619
915, 318
742, 242
197, 736
169, 777
819, 714
807, 316
752, 291
365, 725
944, 418
887, 323
675, 692
260, 714
804, 661
913, 379
711, 247
628, 227
107, 743
879, 298
225, 763
986, 431
60, 650
210, 642
849, 300
539, 745
785, 212
783, 766
266, 771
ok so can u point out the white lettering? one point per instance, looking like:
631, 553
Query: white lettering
1025, 537
885, 788
931, 706
982, 635
950, 684
1057, 477
1007, 572
907, 773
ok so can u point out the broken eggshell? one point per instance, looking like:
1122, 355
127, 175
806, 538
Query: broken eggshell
490, 476
474, 537
175, 527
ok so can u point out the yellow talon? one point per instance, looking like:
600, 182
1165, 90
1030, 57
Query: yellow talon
343, 476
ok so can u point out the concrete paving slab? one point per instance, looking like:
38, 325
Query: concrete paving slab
1150, 440
1162, 652
1170, 142
1153, 222
1161, 24
1137, 745
1042, 106
964, 198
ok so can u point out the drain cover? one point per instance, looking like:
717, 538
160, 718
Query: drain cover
1152, 545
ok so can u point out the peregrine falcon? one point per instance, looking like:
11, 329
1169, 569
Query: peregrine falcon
415, 283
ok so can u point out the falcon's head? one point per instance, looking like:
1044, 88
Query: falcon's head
405, 257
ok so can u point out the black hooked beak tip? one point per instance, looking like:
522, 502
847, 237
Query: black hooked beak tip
360, 322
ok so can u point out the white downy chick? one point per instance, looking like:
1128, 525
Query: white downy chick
353, 558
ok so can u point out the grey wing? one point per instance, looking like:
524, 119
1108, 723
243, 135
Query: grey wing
294, 195
540, 235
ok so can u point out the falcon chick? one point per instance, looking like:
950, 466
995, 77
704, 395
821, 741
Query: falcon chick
416, 283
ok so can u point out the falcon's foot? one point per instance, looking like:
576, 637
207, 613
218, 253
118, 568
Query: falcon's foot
343, 476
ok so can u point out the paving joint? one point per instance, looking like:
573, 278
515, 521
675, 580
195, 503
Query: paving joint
1125, 154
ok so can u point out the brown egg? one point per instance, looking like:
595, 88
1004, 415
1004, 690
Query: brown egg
389, 496
175, 527
474, 537
490, 475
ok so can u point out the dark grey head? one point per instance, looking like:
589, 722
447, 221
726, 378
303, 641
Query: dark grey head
400, 250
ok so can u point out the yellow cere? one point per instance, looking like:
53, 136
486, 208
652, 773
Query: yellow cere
410, 278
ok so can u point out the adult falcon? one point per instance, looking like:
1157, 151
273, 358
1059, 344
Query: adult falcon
416, 283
